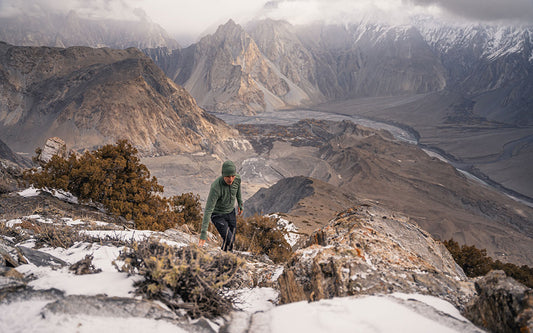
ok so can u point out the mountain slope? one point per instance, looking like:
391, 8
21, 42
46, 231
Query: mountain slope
90, 97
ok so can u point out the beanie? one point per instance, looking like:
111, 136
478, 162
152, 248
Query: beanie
228, 169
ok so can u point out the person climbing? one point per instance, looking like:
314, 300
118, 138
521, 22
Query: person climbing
220, 206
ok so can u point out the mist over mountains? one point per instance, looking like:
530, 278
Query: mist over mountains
52, 28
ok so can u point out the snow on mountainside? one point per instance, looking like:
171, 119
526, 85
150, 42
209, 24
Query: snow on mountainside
487, 41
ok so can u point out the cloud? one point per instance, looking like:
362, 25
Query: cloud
485, 10
188, 20
92, 9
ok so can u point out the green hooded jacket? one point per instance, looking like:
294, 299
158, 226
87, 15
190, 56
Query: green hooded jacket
221, 199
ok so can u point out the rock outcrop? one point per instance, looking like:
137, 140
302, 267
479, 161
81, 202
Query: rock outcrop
53, 146
369, 250
11, 166
501, 304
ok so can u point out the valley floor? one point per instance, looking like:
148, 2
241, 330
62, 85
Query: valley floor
498, 153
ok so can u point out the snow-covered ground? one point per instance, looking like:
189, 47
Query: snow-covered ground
377, 313
349, 314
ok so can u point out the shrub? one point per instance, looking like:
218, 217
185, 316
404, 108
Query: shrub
261, 235
184, 278
114, 177
475, 262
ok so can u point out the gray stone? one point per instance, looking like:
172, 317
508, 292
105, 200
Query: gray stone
502, 304
40, 258
53, 146
369, 250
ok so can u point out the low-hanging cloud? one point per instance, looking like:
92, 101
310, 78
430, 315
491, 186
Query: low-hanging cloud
190, 19
485, 10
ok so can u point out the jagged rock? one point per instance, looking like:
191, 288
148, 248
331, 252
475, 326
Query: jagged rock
53, 146
40, 258
9, 285
101, 305
502, 304
368, 250
84, 266
290, 290
10, 255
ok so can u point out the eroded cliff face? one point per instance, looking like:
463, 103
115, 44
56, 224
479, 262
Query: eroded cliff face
89, 97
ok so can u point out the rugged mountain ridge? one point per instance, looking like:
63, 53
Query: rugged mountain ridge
89, 97
47, 28
227, 72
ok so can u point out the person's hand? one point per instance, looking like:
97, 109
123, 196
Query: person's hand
240, 210
201, 242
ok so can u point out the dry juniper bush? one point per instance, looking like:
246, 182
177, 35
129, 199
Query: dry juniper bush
185, 278
114, 177
475, 262
261, 235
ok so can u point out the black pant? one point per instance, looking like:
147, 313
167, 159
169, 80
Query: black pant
226, 225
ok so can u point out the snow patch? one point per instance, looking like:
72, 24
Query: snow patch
292, 235
29, 192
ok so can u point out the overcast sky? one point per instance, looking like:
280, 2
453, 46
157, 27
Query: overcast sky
187, 19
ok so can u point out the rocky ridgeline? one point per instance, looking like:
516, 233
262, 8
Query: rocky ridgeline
366, 250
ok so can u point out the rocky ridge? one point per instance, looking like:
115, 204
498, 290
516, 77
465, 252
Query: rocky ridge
366, 250
299, 65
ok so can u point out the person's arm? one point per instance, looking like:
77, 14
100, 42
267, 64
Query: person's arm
239, 199
209, 207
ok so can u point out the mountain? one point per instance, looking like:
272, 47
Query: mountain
89, 97
361, 165
307, 202
491, 64
64, 30
280, 65
227, 72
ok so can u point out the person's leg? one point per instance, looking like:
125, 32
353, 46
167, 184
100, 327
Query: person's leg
221, 224
232, 225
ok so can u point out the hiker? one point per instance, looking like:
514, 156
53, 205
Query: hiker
220, 206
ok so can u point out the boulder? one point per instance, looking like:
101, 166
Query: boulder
368, 250
53, 146
502, 304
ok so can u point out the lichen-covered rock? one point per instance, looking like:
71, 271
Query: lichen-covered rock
502, 304
369, 250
